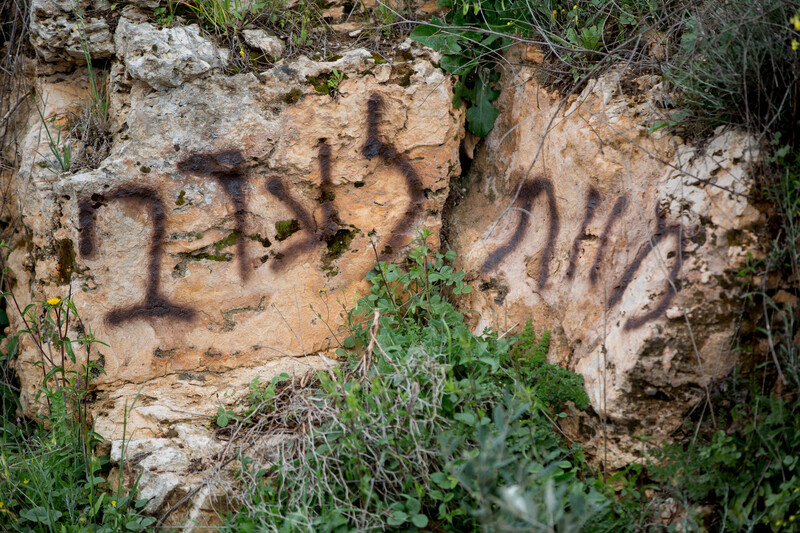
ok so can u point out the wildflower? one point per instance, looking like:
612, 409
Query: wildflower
241, 52
323, 291
113, 503
555, 12
25, 481
1, 505
796, 21
575, 7
795, 44
54, 301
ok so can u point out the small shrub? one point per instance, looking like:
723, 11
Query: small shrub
425, 425
727, 70
553, 384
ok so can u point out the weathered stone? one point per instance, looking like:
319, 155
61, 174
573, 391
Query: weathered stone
624, 243
57, 32
269, 44
226, 210
167, 57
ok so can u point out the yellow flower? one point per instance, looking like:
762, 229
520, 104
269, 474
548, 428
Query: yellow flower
1, 505
554, 12
241, 52
795, 44
113, 503
54, 301
575, 6
25, 481
796, 21
791, 518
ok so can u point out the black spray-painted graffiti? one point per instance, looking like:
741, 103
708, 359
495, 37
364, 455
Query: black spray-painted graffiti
376, 146
226, 168
663, 231
155, 305
528, 194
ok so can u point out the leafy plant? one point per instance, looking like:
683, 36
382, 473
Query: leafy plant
752, 472
473, 35
224, 417
165, 15
728, 71
425, 425
51, 478
470, 55
553, 384
334, 81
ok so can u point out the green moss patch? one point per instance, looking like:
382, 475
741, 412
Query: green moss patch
230, 240
293, 96
181, 199
338, 244
265, 242
286, 228
214, 252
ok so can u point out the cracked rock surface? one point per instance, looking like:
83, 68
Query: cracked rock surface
230, 226
624, 243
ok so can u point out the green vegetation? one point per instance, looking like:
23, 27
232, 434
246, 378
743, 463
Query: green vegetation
742, 473
60, 150
51, 479
425, 426
717, 69
286, 228
90, 130
750, 475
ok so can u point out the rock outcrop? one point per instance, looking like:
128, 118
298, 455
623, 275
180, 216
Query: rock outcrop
230, 227
60, 29
232, 224
623, 242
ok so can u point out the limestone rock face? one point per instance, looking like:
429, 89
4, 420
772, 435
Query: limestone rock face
261, 40
232, 223
56, 31
168, 57
623, 243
